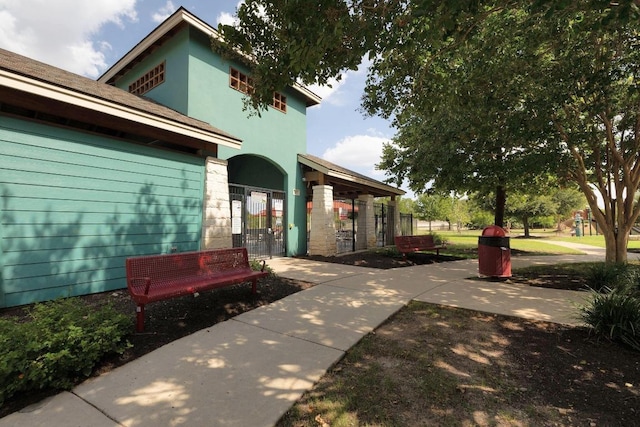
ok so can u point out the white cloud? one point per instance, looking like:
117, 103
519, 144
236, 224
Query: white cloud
334, 93
60, 33
229, 18
359, 153
164, 12
330, 93
226, 18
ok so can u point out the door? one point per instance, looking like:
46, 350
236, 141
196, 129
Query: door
257, 217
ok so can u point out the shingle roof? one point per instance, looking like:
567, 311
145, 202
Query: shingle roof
21, 65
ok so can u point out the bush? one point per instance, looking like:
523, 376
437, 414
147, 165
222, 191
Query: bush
602, 276
616, 315
438, 239
388, 251
632, 278
57, 345
256, 265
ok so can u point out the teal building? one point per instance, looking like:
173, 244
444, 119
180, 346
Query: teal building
158, 156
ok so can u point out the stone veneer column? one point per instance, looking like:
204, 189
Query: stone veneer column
366, 222
216, 222
323, 229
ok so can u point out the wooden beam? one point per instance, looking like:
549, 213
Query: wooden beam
314, 176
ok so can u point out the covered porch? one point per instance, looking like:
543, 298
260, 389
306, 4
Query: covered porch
342, 213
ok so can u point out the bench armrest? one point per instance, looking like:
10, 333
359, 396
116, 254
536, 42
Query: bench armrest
263, 265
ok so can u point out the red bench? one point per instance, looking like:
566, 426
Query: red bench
411, 244
160, 277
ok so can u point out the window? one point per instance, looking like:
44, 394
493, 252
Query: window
240, 81
148, 81
243, 83
279, 102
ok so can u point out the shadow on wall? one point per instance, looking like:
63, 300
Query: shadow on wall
76, 247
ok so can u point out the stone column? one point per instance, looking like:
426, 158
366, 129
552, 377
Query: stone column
323, 229
366, 222
216, 221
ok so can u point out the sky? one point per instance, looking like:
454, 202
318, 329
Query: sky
87, 37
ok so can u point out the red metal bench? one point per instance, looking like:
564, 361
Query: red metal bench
160, 277
411, 244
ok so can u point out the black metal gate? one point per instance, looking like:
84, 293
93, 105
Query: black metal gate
406, 224
384, 223
257, 220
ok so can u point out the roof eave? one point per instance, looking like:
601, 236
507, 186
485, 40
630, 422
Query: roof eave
180, 16
350, 178
47, 90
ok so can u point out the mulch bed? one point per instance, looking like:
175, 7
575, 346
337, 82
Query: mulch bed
374, 259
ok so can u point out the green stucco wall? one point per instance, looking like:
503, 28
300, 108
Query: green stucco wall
173, 91
274, 135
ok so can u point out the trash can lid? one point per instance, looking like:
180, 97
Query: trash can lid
494, 231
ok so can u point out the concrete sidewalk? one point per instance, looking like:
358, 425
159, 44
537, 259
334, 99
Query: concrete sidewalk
249, 370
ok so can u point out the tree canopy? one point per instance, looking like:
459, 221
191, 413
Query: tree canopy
484, 94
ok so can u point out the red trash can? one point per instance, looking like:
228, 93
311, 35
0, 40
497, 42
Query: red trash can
494, 252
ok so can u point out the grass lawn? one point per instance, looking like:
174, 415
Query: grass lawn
464, 243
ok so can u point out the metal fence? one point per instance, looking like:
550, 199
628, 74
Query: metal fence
406, 224
384, 223
351, 233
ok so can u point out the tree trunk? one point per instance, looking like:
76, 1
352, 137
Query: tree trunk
616, 234
525, 223
501, 200
616, 244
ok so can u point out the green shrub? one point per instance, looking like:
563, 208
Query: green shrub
438, 239
602, 276
632, 278
616, 315
388, 251
256, 265
57, 345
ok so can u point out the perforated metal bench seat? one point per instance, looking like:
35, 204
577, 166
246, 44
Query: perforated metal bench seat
159, 277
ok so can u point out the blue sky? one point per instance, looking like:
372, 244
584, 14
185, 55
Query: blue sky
87, 37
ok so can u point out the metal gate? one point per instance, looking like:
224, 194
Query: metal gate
384, 223
406, 224
257, 220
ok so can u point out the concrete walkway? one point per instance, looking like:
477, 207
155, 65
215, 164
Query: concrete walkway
249, 370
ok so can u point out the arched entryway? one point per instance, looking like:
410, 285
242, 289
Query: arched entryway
258, 205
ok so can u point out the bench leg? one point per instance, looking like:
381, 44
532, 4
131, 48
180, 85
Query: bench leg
140, 318
254, 286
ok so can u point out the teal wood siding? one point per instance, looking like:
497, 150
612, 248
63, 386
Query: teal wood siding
73, 206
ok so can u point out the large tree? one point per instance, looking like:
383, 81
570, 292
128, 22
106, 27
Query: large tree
525, 207
483, 93
432, 207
